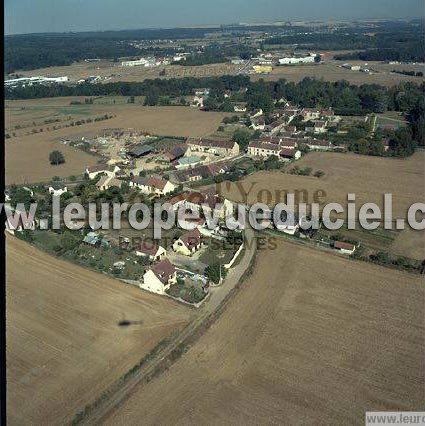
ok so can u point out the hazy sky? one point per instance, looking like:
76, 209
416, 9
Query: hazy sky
27, 16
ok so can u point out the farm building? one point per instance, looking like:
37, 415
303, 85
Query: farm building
189, 161
213, 146
345, 248
172, 155
140, 150
319, 145
308, 59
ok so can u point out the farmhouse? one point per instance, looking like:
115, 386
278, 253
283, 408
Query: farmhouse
57, 189
345, 248
150, 250
263, 149
160, 277
275, 127
288, 143
152, 185
106, 182
188, 243
213, 146
98, 169
290, 154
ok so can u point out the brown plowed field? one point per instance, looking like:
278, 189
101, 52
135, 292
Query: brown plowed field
64, 344
311, 338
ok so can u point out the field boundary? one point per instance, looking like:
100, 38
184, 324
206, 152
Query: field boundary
165, 353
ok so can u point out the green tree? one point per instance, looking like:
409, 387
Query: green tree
215, 271
242, 137
56, 158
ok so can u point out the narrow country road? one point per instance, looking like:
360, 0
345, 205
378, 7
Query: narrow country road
104, 406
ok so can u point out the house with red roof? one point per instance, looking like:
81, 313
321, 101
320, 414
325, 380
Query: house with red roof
188, 243
159, 277
150, 250
152, 185
345, 248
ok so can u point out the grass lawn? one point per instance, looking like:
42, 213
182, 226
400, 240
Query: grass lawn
220, 252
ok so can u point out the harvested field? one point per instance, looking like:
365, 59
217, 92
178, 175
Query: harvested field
329, 71
27, 155
367, 177
276, 355
64, 343
113, 71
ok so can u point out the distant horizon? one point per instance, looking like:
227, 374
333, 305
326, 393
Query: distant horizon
218, 25
75, 16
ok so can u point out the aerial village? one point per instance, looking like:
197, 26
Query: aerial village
139, 167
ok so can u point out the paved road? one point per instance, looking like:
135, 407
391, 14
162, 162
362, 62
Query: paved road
217, 296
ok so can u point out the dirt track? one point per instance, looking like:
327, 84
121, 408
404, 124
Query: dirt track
303, 342
64, 345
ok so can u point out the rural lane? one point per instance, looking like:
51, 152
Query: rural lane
105, 405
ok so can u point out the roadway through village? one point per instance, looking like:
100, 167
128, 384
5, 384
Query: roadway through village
107, 403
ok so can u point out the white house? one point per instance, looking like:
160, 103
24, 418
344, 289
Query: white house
263, 149
344, 248
106, 182
290, 223
150, 250
152, 185
239, 108
159, 277
222, 147
109, 170
206, 203
188, 243
57, 189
